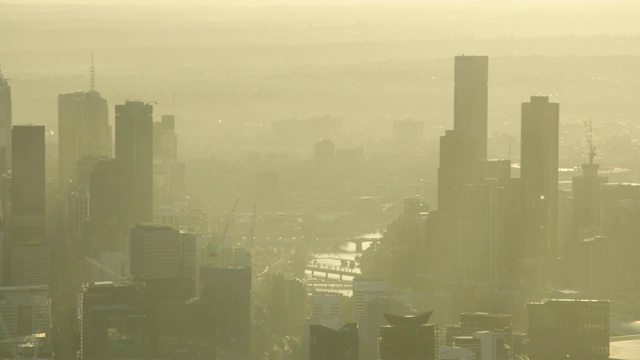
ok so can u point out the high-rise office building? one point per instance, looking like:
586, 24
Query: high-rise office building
228, 288
26, 253
112, 322
183, 331
134, 155
480, 237
568, 329
458, 165
5, 124
539, 176
587, 191
620, 212
470, 99
330, 343
365, 290
165, 260
407, 337
101, 233
24, 311
104, 190
83, 130
28, 184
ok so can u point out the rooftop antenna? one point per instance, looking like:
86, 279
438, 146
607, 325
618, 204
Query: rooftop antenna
592, 149
92, 76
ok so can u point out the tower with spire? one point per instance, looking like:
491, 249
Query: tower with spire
83, 130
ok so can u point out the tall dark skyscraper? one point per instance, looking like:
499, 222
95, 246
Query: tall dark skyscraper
470, 99
539, 174
83, 130
458, 165
27, 184
5, 123
26, 248
228, 289
134, 155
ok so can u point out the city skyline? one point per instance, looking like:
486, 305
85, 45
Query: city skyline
435, 180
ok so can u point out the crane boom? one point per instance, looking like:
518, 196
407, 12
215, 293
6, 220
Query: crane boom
226, 228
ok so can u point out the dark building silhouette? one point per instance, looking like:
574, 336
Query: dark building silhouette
6, 123
539, 174
407, 337
112, 322
84, 168
104, 190
165, 261
134, 154
471, 98
228, 289
26, 253
620, 221
101, 233
286, 298
24, 311
480, 223
568, 329
83, 130
328, 343
184, 331
586, 189
458, 165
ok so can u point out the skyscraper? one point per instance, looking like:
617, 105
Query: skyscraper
134, 155
112, 322
470, 99
407, 337
5, 124
228, 289
539, 174
568, 329
26, 246
165, 260
83, 130
458, 165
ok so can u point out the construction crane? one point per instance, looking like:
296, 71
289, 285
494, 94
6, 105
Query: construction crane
226, 228
592, 149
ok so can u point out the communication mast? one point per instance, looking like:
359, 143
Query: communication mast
592, 149
92, 76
